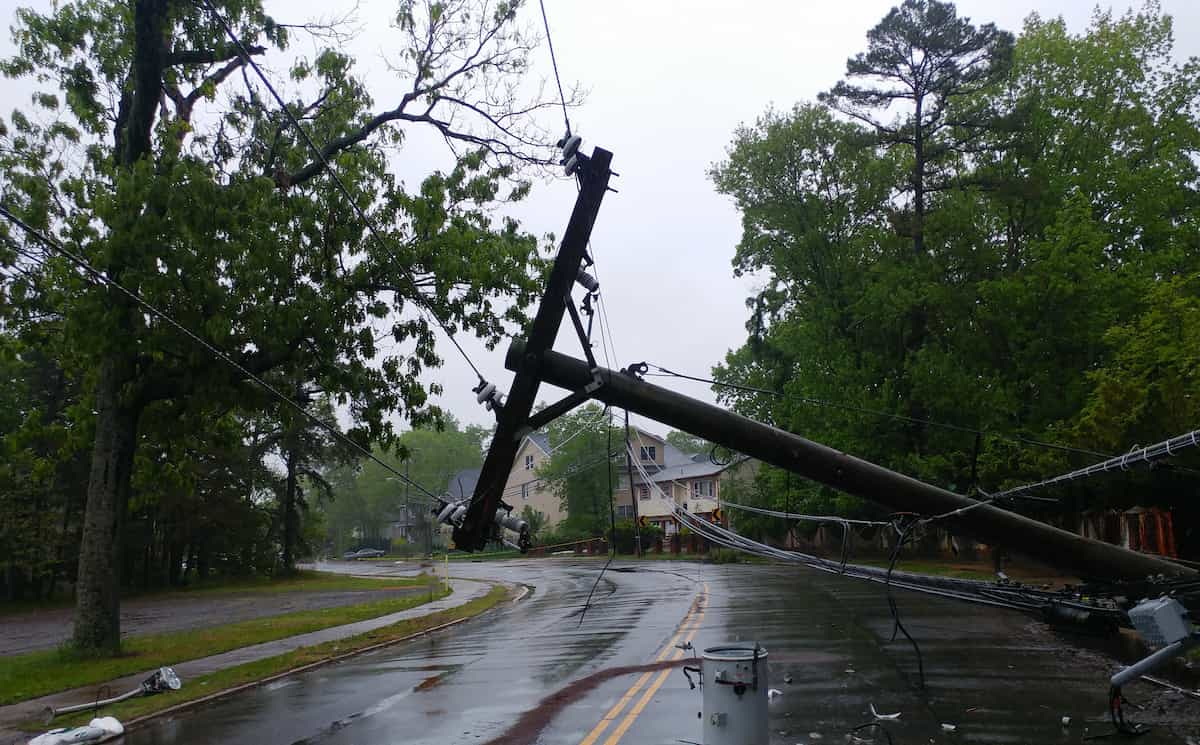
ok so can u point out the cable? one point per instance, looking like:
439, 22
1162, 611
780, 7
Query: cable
1165, 449
891, 600
876, 412
554, 63
337, 180
104, 279
612, 544
869, 725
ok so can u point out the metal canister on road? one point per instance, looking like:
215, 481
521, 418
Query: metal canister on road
734, 692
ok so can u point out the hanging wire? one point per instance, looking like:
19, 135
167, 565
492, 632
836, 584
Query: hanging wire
612, 516
104, 279
337, 179
664, 372
1165, 449
554, 64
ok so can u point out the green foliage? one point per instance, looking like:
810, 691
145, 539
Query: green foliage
1054, 293
580, 471
689, 444
366, 497
144, 151
624, 536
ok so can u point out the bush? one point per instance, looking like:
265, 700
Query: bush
724, 556
623, 537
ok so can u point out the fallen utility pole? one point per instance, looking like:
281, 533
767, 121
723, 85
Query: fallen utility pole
986, 522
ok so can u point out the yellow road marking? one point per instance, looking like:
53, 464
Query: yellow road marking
698, 611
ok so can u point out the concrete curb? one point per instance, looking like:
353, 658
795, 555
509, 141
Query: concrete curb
7, 735
183, 706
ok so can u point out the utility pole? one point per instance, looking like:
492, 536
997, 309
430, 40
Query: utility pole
633, 497
512, 417
988, 523
407, 509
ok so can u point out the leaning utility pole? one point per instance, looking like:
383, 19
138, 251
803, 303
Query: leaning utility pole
513, 419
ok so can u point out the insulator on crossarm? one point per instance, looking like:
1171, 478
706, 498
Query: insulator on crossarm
588, 281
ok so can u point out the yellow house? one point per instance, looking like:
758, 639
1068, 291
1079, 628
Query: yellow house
524, 488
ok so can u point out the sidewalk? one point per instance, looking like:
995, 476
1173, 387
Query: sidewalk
464, 591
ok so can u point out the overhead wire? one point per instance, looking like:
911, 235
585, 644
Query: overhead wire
149, 307
554, 63
337, 179
666, 372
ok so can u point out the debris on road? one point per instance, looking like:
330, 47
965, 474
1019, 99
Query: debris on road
877, 715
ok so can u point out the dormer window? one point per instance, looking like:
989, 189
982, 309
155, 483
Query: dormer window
528, 462
649, 453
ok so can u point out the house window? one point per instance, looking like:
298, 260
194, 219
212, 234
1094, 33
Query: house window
643, 492
624, 510
702, 489
649, 453
528, 462
525, 491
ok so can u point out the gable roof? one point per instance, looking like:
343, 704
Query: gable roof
541, 440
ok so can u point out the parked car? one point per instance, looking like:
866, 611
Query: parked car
363, 553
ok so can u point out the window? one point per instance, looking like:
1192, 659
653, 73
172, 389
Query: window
528, 462
643, 492
702, 489
624, 510
525, 491
649, 452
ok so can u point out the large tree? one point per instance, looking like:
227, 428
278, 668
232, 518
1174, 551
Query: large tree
154, 156
924, 56
581, 470
1053, 301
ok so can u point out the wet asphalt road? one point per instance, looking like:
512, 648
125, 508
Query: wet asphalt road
996, 676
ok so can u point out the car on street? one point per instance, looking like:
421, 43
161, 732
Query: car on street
363, 553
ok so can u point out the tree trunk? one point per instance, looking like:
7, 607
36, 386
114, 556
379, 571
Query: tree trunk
97, 590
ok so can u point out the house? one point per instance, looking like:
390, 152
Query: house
664, 477
523, 487
693, 482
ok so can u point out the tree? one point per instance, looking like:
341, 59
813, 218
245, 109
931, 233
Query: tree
368, 497
182, 187
581, 468
925, 56
1053, 301
689, 444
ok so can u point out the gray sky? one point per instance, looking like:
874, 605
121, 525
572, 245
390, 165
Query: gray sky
667, 84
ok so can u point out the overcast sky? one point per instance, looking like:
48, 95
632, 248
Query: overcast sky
667, 84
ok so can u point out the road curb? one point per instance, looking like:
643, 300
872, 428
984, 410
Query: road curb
184, 705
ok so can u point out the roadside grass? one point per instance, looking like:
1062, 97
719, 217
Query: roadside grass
251, 672
936, 568
36, 674
301, 581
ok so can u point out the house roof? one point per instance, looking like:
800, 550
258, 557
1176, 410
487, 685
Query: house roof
462, 484
541, 440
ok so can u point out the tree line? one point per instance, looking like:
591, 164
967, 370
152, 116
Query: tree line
980, 259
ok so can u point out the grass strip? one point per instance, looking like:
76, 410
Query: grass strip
27, 676
302, 581
261, 671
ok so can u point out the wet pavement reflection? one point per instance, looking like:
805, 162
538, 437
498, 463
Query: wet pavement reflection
992, 675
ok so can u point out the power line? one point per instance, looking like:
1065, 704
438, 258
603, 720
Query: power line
337, 180
1158, 451
876, 412
104, 279
554, 64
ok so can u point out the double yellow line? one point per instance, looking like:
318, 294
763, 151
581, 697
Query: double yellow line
687, 629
